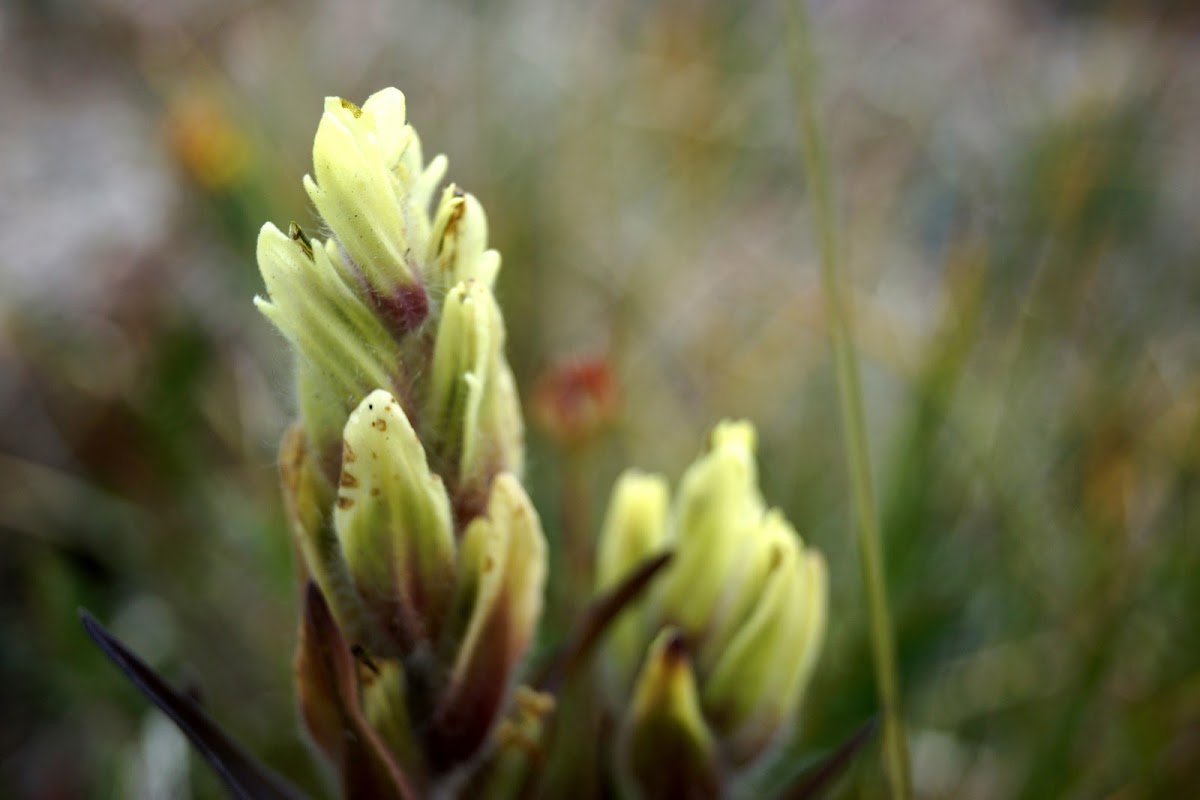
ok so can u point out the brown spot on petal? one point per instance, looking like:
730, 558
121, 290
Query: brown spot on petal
347, 454
374, 491
379, 424
348, 480
344, 502
488, 564
353, 109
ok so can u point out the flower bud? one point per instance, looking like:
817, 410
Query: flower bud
393, 522
667, 748
472, 407
743, 593
384, 706
717, 510
634, 529
355, 193
400, 147
458, 242
307, 497
372, 191
343, 351
745, 586
330, 327
502, 571
756, 685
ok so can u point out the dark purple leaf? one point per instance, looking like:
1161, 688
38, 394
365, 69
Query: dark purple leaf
244, 777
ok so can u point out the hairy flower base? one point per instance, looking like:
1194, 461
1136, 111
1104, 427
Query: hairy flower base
443, 625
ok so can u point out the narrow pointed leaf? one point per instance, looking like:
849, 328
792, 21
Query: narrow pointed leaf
817, 780
596, 622
244, 777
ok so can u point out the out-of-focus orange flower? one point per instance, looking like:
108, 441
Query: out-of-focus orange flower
205, 141
575, 399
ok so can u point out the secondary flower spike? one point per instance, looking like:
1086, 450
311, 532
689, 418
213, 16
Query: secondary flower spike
732, 634
634, 530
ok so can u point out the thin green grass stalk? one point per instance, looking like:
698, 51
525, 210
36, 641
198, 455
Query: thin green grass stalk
816, 164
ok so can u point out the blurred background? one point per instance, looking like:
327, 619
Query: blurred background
1019, 182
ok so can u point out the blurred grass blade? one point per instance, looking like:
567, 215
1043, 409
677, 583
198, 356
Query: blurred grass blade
858, 462
596, 620
817, 780
244, 777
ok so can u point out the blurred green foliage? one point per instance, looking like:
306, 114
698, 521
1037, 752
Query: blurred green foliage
1019, 195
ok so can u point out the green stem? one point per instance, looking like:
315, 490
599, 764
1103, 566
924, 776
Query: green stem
870, 547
